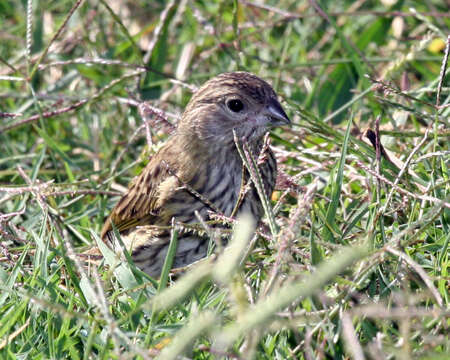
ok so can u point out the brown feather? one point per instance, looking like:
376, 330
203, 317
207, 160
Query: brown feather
198, 169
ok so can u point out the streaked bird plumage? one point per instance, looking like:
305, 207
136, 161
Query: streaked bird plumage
199, 170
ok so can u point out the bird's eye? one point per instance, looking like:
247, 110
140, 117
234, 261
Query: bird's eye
235, 105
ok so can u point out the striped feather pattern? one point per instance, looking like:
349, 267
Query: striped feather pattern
198, 170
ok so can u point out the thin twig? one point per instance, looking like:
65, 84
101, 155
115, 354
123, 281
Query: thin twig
403, 170
378, 156
403, 191
61, 28
158, 32
4, 217
9, 338
36, 192
45, 115
83, 192
289, 234
252, 167
442, 72
353, 345
74, 106
387, 88
29, 29
294, 15
426, 279
25, 189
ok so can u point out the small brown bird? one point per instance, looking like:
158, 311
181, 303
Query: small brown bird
199, 170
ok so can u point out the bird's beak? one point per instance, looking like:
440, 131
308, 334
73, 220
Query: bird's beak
276, 114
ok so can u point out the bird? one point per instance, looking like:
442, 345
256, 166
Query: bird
199, 172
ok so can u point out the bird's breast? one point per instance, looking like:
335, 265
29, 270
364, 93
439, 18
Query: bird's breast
221, 183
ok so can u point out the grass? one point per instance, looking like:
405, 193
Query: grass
351, 261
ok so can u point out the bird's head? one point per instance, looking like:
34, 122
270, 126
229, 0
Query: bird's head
237, 101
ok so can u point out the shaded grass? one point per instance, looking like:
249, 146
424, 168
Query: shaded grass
72, 76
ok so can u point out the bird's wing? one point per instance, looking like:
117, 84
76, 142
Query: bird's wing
145, 198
